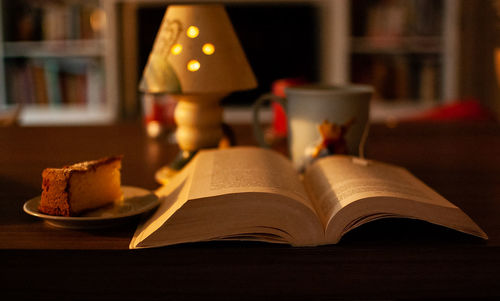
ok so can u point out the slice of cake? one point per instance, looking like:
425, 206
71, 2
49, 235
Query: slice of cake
70, 190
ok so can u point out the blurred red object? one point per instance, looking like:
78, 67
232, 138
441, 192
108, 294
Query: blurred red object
279, 123
466, 110
158, 114
158, 107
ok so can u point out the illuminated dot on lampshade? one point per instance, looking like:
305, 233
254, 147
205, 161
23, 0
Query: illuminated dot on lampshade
176, 49
193, 32
208, 49
193, 65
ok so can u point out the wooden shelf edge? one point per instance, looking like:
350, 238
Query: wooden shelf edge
69, 115
55, 48
396, 45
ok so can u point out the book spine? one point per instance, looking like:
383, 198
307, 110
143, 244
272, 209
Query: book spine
14, 84
95, 85
52, 82
85, 22
75, 22
29, 96
75, 80
81, 88
40, 86
66, 20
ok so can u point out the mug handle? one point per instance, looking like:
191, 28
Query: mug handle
257, 128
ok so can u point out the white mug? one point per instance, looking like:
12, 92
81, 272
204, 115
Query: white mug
322, 120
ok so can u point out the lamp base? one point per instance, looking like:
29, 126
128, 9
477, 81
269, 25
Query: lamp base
167, 172
199, 125
199, 120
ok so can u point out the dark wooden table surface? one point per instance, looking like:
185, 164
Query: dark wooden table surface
391, 259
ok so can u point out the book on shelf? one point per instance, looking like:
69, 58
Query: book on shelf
53, 20
399, 77
17, 90
388, 21
397, 46
52, 81
74, 81
55, 82
39, 83
28, 85
95, 84
248, 193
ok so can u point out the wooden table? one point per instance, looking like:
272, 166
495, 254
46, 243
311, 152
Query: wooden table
385, 259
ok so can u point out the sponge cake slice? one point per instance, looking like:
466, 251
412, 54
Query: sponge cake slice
70, 190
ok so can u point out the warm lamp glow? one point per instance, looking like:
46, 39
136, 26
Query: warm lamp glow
176, 49
185, 42
197, 32
193, 32
193, 65
208, 49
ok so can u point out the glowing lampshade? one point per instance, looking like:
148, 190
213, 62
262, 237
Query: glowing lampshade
197, 51
197, 58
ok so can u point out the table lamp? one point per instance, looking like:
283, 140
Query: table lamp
197, 59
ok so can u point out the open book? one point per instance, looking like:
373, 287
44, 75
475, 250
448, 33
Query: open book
248, 193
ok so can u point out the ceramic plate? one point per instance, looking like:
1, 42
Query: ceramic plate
136, 201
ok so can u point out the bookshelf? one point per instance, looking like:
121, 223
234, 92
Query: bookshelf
347, 52
57, 61
407, 49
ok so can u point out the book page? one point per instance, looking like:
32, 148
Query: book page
172, 197
246, 169
236, 193
335, 182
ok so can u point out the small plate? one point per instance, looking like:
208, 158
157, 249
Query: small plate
135, 201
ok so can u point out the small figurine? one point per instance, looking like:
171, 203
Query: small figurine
332, 138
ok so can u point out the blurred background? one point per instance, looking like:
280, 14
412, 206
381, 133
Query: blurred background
68, 62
